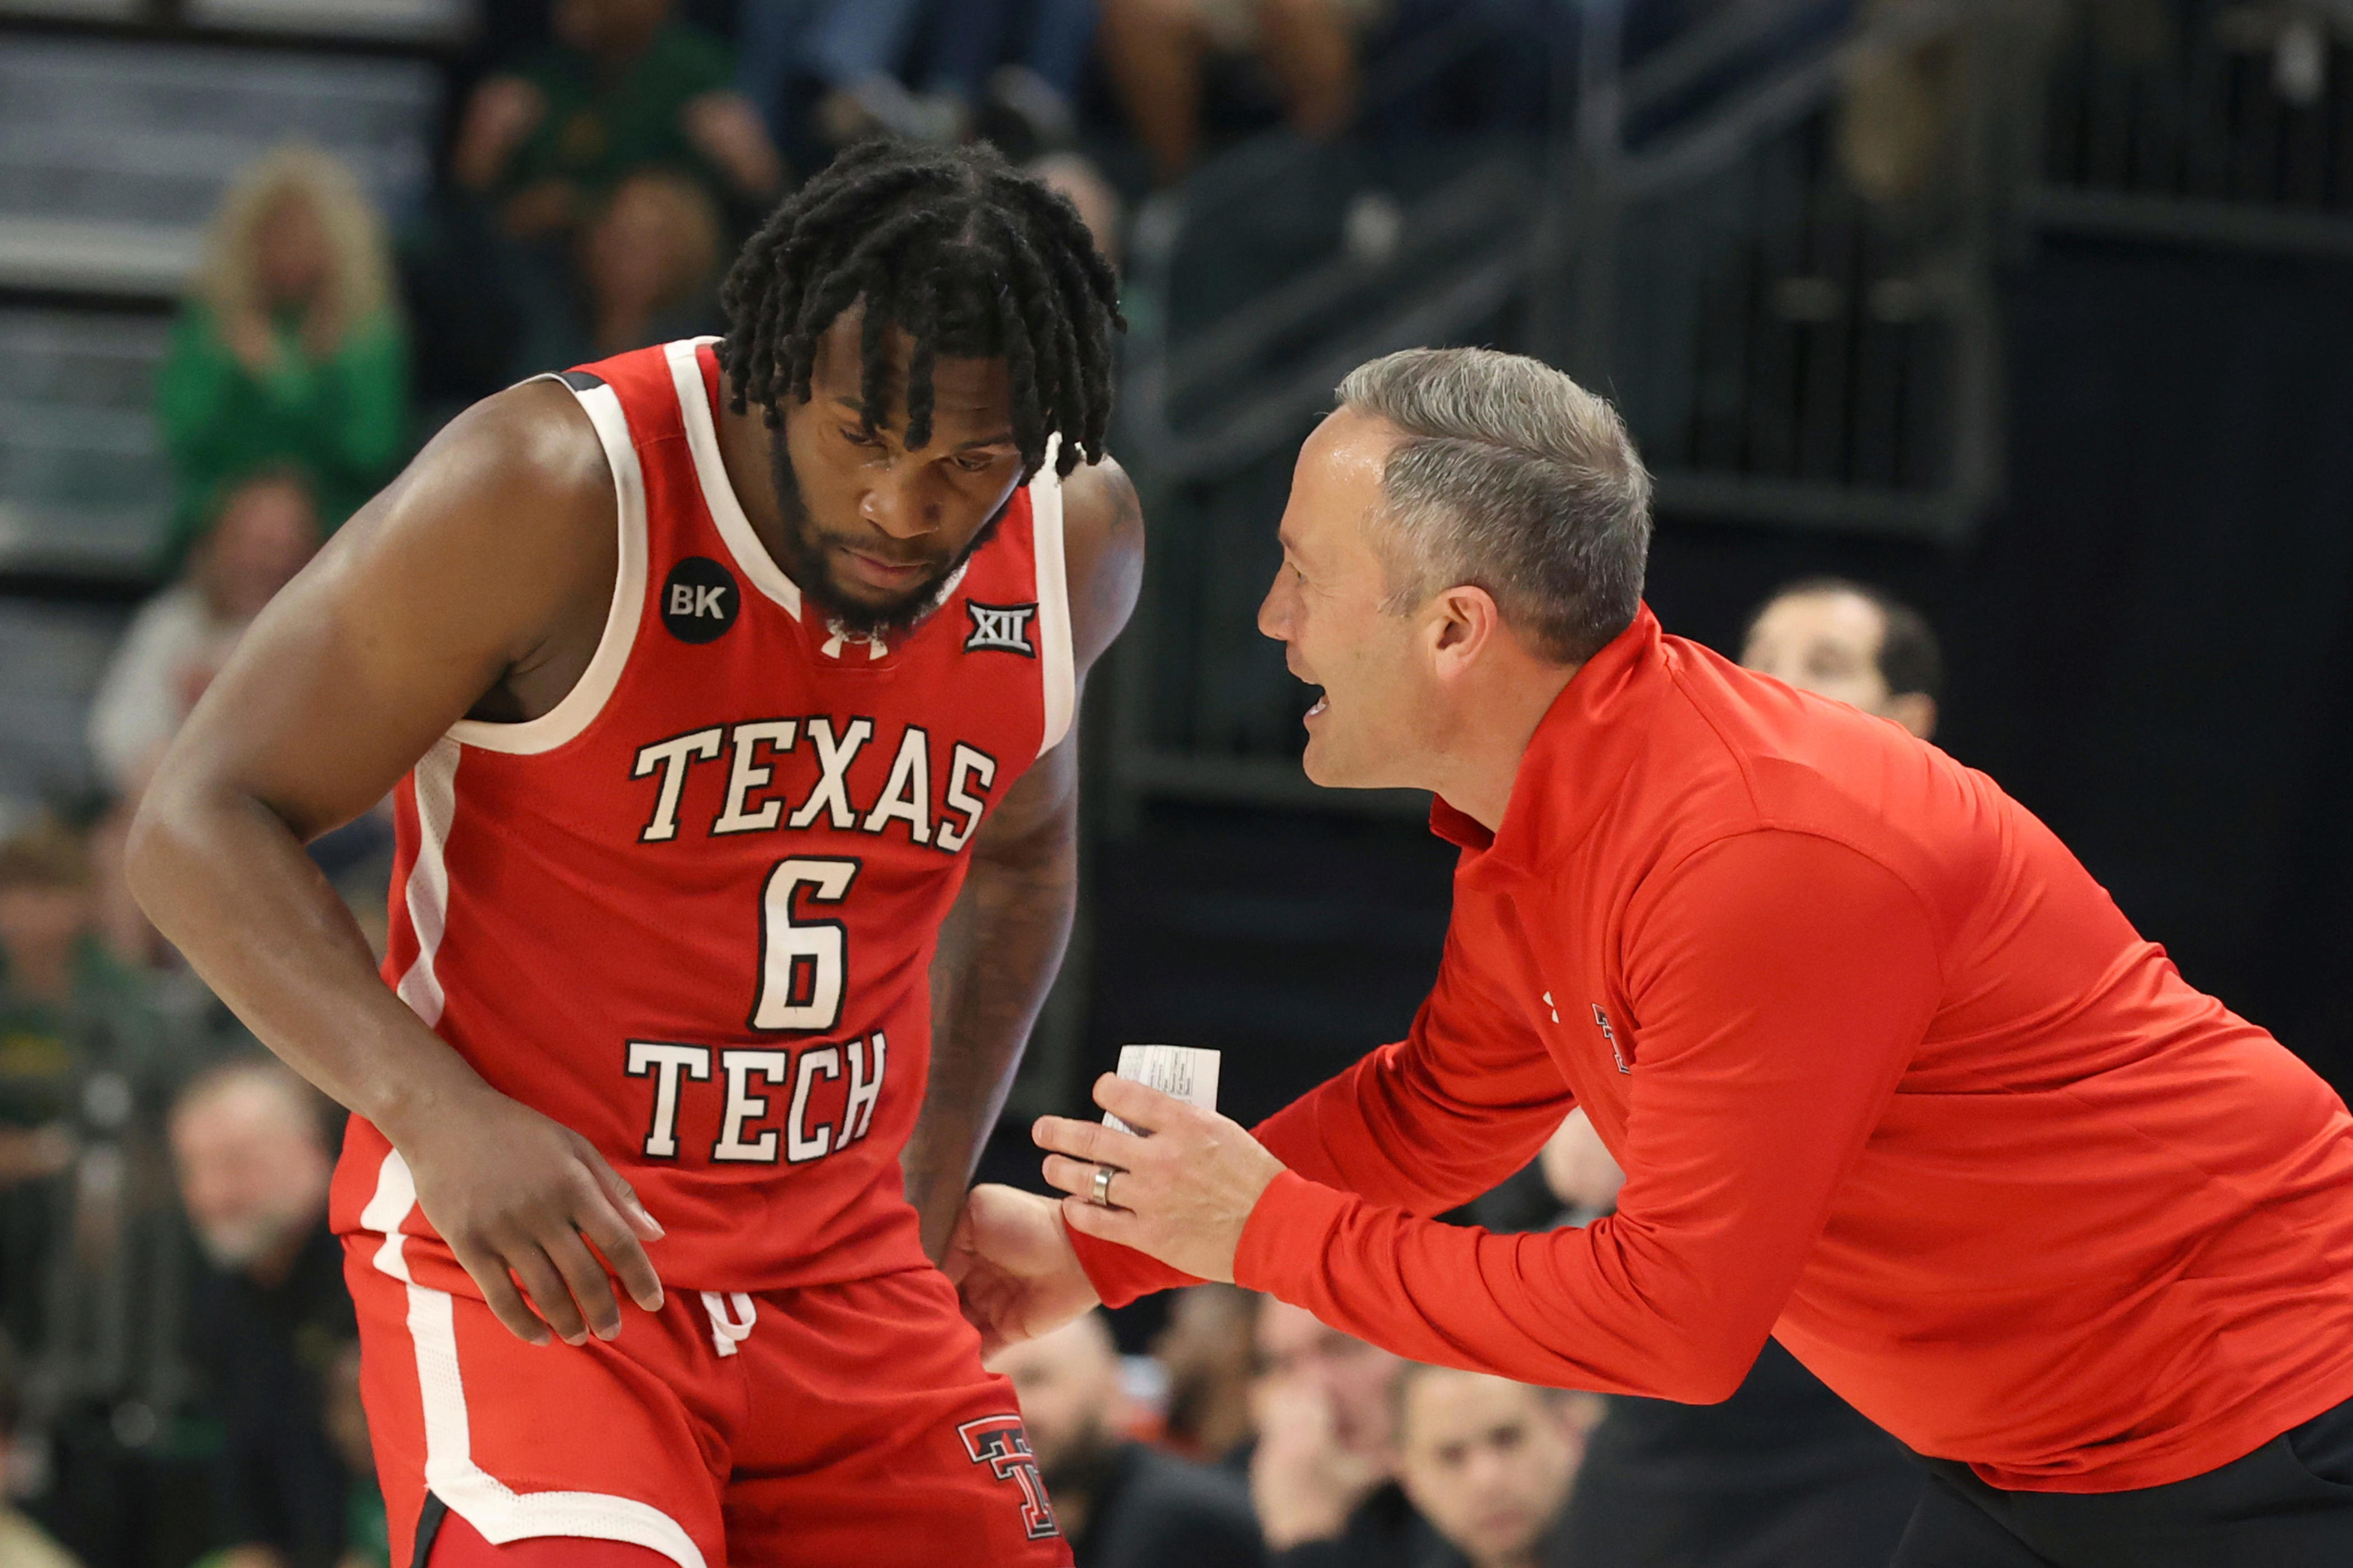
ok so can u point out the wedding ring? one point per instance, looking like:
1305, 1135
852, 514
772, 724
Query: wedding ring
1103, 1173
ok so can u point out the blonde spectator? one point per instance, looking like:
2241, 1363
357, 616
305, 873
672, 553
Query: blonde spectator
288, 350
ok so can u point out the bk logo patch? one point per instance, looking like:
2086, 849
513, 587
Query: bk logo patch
998, 1442
699, 599
1004, 629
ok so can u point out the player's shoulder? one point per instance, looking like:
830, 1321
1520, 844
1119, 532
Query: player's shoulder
531, 441
511, 508
1102, 545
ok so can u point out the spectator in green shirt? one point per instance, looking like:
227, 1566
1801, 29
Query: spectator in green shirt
289, 351
614, 155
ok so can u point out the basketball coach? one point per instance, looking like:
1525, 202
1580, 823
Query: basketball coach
1892, 1079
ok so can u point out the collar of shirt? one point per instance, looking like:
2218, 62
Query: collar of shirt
1575, 763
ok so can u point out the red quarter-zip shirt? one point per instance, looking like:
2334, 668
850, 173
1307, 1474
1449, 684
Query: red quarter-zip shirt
1891, 1079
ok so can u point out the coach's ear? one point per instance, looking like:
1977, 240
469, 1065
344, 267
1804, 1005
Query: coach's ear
1459, 628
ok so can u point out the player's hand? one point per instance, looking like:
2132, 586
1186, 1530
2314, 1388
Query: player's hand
1184, 1190
520, 1199
1014, 1267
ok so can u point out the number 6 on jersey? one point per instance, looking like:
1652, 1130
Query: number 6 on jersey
790, 948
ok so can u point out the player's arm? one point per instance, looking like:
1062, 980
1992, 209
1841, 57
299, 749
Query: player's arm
466, 587
1003, 941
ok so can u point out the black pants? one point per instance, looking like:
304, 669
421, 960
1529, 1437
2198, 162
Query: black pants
2289, 1504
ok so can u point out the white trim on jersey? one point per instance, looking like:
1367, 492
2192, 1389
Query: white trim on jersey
586, 699
501, 1513
711, 473
435, 781
1057, 669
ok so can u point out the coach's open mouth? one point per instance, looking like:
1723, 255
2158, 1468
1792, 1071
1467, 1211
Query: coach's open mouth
1322, 702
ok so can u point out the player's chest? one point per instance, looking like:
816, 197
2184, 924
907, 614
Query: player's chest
795, 733
889, 780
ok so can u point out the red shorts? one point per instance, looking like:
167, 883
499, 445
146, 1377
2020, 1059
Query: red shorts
828, 1425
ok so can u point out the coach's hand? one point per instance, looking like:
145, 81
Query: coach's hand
1182, 1193
520, 1199
1015, 1272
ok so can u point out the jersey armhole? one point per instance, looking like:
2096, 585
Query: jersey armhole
565, 721
1057, 666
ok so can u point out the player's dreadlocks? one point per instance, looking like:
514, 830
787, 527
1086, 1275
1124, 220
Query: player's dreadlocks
970, 258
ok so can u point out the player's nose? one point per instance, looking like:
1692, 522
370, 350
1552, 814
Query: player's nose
893, 505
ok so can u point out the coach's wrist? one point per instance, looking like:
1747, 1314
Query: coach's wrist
1282, 1241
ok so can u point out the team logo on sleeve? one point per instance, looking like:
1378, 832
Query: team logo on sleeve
998, 1442
699, 599
1001, 629
1617, 1051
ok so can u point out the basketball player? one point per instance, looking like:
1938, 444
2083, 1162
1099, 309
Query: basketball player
708, 676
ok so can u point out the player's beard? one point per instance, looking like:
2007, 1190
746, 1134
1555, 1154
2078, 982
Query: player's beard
804, 552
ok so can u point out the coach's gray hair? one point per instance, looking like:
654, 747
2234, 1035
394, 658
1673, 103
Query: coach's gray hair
1513, 479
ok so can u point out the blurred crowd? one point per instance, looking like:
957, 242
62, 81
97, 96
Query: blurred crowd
173, 1327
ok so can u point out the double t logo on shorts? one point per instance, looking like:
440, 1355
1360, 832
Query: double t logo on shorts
998, 1442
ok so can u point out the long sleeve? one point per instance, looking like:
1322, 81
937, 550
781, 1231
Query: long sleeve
1465, 1100
1445, 1114
1782, 983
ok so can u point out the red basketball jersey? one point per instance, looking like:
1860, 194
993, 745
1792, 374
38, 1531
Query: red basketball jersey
689, 911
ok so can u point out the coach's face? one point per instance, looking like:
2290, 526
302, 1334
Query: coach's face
873, 527
1366, 730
